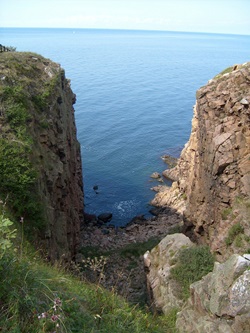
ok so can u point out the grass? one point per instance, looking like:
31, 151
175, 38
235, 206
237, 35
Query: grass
30, 289
234, 233
132, 250
225, 71
226, 213
36, 296
192, 264
138, 249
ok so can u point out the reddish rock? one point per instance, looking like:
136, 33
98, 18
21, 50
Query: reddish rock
213, 172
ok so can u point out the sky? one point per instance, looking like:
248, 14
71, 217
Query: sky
216, 16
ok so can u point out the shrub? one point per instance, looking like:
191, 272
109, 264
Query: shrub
234, 231
7, 233
192, 264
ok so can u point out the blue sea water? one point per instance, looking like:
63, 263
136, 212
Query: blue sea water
135, 95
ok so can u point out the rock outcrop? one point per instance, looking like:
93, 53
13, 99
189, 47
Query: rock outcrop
220, 302
212, 178
37, 113
164, 292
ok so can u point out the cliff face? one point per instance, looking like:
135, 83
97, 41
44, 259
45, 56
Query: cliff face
38, 127
212, 178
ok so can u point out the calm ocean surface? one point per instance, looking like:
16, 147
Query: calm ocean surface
135, 95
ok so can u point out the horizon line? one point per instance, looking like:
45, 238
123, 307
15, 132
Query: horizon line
127, 29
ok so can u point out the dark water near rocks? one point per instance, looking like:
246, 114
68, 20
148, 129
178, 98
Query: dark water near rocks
135, 95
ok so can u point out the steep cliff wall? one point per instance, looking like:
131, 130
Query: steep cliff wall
212, 178
40, 161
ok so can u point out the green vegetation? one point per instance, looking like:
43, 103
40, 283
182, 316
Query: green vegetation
25, 97
234, 232
18, 175
7, 234
225, 71
192, 264
92, 252
226, 213
36, 297
128, 251
138, 249
41, 101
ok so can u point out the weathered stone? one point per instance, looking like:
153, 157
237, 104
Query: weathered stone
244, 101
220, 302
155, 175
247, 256
105, 217
214, 169
164, 291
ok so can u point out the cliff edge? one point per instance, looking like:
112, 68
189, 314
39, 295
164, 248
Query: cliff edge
40, 160
212, 178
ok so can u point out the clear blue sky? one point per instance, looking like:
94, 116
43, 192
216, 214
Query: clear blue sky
219, 16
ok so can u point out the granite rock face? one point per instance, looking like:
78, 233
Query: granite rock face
163, 291
213, 171
37, 89
220, 302
60, 183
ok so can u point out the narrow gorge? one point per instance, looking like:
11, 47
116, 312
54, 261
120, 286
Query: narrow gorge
207, 205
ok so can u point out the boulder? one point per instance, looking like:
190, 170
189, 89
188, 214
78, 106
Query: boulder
105, 217
220, 302
163, 291
155, 175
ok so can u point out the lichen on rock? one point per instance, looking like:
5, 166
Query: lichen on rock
220, 301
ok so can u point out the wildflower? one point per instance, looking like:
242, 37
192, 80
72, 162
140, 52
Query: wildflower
21, 219
97, 316
57, 303
54, 317
43, 315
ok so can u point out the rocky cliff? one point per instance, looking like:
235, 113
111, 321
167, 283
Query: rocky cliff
214, 302
212, 178
40, 161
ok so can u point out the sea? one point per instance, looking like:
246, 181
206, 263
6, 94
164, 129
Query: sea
135, 96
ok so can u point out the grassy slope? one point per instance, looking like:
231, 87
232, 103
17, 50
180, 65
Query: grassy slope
29, 287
